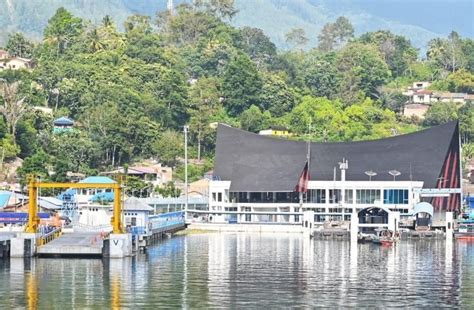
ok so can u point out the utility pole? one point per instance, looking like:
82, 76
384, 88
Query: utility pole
186, 129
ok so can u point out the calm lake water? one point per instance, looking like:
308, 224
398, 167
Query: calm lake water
221, 270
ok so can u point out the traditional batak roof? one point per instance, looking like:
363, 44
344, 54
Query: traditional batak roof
259, 163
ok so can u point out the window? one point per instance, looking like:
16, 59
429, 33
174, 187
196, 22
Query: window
317, 195
349, 196
334, 195
248, 217
213, 196
297, 217
395, 196
219, 197
367, 196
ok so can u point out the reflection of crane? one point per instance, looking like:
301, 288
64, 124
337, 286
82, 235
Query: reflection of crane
34, 185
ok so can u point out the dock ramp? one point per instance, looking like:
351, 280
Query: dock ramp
74, 244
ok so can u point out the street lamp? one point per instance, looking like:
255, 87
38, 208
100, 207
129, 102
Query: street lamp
186, 129
371, 174
394, 173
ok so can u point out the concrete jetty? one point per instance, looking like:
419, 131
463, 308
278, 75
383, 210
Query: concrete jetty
73, 244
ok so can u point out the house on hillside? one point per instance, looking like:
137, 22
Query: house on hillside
157, 175
4, 54
15, 63
276, 131
420, 99
62, 124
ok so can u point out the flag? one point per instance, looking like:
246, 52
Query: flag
302, 186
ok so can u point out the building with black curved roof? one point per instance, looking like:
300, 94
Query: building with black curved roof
254, 173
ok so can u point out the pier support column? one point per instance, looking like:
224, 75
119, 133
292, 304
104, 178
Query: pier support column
308, 222
354, 226
449, 225
120, 245
23, 245
393, 220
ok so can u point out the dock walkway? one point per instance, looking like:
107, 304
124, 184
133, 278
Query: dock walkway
73, 244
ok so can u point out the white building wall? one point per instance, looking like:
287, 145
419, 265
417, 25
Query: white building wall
291, 213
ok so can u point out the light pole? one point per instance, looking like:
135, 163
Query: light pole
186, 129
394, 173
371, 174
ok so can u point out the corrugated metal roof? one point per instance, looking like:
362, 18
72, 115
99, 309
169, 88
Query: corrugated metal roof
98, 179
135, 204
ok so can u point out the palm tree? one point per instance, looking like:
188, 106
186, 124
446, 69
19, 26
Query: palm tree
96, 43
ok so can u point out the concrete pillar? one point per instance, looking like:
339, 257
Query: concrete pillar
120, 245
23, 245
308, 222
393, 220
354, 226
449, 225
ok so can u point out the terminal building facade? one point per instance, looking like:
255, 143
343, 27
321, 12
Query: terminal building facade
256, 177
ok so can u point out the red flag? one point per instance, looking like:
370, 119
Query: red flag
302, 186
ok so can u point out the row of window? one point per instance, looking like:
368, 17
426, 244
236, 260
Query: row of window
362, 196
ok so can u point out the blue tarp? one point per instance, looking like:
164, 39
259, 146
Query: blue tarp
18, 217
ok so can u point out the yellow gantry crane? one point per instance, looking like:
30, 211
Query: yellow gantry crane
34, 185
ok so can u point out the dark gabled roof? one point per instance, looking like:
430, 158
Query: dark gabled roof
260, 163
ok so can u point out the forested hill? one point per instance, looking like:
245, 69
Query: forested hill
130, 92
418, 20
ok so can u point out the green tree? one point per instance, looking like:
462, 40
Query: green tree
322, 118
447, 54
276, 96
258, 46
136, 187
241, 85
461, 81
396, 50
297, 37
36, 164
335, 35
8, 149
321, 75
219, 8
62, 29
169, 147
19, 46
363, 69
205, 101
254, 120
168, 190
13, 107
440, 113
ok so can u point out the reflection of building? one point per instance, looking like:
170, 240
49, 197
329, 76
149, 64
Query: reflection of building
255, 177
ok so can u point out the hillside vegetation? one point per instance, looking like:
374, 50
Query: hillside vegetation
132, 92
412, 18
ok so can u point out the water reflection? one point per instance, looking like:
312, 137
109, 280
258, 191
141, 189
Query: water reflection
250, 270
